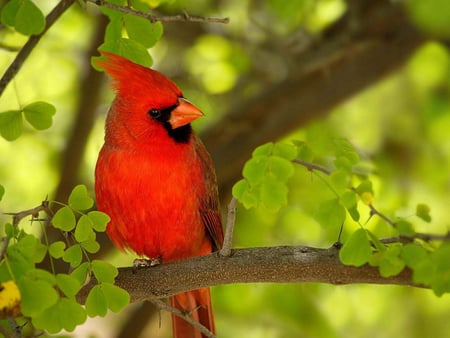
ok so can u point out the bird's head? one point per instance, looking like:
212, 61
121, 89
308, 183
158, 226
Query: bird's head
147, 101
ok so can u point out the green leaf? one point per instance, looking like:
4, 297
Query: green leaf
376, 242
79, 198
84, 230
423, 212
73, 255
255, 170
9, 12
116, 297
340, 179
345, 149
405, 228
2, 191
41, 275
365, 191
129, 49
99, 220
285, 150
31, 248
392, 265
104, 271
81, 272
304, 152
68, 284
330, 214
39, 114
36, 296
11, 124
142, 30
263, 150
348, 199
440, 282
273, 193
56, 249
356, 250
24, 16
413, 254
91, 246
244, 194
66, 314
64, 219
96, 303
280, 168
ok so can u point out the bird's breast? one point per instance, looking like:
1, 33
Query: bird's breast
153, 200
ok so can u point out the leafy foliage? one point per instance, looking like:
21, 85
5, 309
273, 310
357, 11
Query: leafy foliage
129, 35
49, 298
39, 114
352, 190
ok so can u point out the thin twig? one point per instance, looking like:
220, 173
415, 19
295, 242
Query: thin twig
312, 166
17, 217
164, 306
231, 220
185, 17
27, 48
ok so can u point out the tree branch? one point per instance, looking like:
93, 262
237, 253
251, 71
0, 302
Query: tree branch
284, 264
185, 17
26, 50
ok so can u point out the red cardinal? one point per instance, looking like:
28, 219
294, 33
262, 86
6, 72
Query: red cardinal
156, 180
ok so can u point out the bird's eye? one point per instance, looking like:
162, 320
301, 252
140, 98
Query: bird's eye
155, 113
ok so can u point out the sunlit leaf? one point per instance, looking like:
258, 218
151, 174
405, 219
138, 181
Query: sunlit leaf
142, 30
330, 214
24, 15
104, 271
39, 114
79, 198
83, 230
68, 284
73, 255
423, 212
65, 314
96, 303
11, 124
64, 219
56, 249
99, 220
356, 250
116, 297
36, 296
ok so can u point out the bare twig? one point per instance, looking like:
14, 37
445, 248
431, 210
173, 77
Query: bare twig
185, 17
312, 166
20, 58
17, 217
164, 306
231, 220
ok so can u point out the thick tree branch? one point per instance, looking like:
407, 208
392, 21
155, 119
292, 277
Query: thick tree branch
285, 264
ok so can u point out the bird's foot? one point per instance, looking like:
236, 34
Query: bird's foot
140, 263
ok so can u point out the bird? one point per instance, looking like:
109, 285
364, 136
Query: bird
156, 180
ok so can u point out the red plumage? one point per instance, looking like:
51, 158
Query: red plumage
156, 180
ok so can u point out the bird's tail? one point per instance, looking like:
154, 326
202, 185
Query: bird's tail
197, 304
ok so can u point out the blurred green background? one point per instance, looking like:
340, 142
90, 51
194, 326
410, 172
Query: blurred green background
401, 126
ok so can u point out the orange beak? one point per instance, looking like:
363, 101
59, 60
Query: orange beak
184, 113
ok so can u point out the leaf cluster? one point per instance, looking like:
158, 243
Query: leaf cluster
129, 35
48, 298
264, 186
